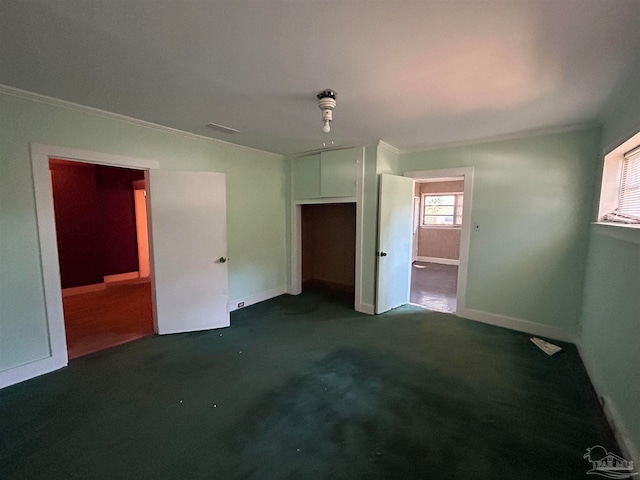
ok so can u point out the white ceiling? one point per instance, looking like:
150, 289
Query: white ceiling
413, 74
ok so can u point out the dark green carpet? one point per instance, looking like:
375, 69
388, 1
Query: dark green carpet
305, 388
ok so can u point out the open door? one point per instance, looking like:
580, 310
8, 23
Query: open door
395, 234
189, 248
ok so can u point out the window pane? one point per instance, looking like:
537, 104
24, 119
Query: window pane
444, 210
438, 210
630, 189
439, 199
438, 220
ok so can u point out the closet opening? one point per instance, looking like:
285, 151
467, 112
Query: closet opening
328, 234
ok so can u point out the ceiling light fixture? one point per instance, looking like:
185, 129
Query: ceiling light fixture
326, 103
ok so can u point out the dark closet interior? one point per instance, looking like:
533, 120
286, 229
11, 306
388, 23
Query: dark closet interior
329, 246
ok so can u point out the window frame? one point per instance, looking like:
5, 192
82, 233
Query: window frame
611, 185
630, 183
457, 217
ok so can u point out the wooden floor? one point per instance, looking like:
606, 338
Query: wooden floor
434, 286
98, 320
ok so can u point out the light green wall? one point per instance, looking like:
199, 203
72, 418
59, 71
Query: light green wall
256, 206
621, 119
386, 161
532, 199
377, 160
611, 304
611, 324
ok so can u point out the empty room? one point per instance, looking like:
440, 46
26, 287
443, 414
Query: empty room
319, 240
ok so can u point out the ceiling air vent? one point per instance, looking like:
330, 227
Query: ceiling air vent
221, 128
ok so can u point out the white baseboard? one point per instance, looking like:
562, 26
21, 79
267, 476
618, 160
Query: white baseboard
518, 324
366, 308
31, 370
629, 450
256, 298
121, 277
96, 287
443, 261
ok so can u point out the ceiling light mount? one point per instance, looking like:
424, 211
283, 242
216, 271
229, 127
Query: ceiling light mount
326, 103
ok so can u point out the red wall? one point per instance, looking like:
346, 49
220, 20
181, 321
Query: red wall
75, 203
118, 218
95, 221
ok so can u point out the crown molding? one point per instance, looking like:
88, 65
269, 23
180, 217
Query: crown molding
56, 102
505, 137
388, 147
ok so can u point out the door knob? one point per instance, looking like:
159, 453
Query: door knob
381, 254
222, 259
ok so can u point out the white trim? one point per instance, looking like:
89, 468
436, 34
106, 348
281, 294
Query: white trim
256, 298
37, 97
49, 252
465, 232
89, 156
612, 176
367, 308
534, 328
629, 450
505, 137
96, 287
358, 304
325, 200
31, 370
388, 147
439, 180
50, 265
121, 277
442, 261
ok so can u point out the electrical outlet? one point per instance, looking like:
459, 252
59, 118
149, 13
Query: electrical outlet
241, 304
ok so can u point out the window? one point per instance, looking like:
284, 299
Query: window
442, 210
628, 209
630, 189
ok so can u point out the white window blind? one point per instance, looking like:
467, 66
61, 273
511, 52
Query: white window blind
630, 185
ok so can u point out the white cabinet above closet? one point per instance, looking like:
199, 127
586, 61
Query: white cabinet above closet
325, 175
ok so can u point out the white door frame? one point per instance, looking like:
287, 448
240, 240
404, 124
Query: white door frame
295, 287
142, 230
465, 233
40, 155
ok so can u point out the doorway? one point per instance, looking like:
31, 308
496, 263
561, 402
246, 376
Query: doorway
102, 244
328, 234
434, 272
442, 206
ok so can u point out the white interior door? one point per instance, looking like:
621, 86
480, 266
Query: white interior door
189, 248
395, 238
